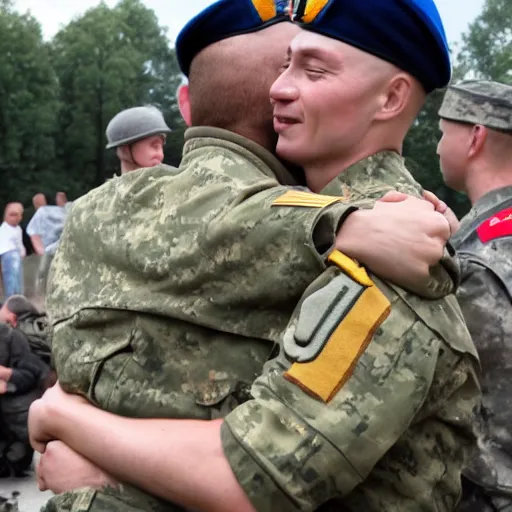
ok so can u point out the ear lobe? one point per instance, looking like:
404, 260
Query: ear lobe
478, 138
184, 104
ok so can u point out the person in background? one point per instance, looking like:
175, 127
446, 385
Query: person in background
44, 229
61, 199
24, 375
39, 200
12, 250
476, 158
138, 135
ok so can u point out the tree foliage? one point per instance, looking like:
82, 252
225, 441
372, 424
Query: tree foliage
107, 60
28, 104
57, 97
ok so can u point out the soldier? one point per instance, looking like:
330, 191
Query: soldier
138, 136
24, 374
182, 319
476, 158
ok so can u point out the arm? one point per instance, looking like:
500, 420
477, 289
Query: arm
19, 243
398, 228
34, 231
26, 369
37, 244
131, 450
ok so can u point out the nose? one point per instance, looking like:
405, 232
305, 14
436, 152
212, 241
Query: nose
283, 90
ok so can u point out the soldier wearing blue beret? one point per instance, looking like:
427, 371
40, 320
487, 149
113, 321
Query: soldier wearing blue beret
358, 410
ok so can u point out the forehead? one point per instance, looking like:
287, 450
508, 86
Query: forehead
14, 209
154, 139
310, 42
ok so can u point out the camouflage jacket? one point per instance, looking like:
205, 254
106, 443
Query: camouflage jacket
345, 421
170, 287
484, 244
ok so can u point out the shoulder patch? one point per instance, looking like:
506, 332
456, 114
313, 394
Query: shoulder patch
334, 327
306, 199
498, 226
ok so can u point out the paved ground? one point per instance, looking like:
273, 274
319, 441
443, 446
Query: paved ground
31, 499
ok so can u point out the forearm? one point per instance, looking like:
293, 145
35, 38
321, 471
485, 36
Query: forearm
37, 244
179, 460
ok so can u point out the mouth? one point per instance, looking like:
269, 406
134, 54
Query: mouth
281, 123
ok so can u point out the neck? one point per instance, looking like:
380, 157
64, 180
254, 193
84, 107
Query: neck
264, 136
485, 179
127, 166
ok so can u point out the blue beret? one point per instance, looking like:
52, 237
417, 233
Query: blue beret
407, 33
224, 19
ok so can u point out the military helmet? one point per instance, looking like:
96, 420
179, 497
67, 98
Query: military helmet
134, 124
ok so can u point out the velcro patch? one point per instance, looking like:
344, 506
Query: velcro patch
334, 327
498, 226
306, 199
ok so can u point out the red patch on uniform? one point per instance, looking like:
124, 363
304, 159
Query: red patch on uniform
497, 226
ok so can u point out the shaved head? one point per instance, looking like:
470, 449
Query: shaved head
230, 82
39, 200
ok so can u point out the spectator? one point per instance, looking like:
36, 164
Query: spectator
39, 200
12, 250
23, 377
61, 199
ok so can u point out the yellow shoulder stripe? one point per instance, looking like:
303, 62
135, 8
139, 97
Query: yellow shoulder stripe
326, 374
350, 267
306, 199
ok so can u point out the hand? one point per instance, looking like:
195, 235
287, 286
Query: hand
398, 240
45, 416
5, 373
3, 387
62, 469
443, 208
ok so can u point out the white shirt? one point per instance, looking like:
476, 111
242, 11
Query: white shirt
11, 239
48, 223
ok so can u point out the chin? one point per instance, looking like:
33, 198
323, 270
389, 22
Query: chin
289, 152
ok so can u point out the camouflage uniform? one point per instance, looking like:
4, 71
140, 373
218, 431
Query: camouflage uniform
172, 308
484, 245
392, 437
170, 287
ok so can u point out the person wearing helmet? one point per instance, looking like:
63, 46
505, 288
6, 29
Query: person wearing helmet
138, 135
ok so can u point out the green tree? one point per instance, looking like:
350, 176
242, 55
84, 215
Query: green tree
28, 107
487, 46
107, 60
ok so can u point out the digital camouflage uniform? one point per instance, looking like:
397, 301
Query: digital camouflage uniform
171, 287
174, 305
484, 245
392, 437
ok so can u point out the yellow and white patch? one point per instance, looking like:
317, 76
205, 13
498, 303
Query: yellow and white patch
334, 327
306, 199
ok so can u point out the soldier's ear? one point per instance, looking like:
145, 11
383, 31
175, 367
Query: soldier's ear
478, 137
184, 104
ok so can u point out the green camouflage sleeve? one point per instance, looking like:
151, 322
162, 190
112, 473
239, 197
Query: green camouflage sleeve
390, 439
487, 306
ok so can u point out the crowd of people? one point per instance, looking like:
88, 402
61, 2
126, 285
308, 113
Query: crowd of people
40, 236
287, 321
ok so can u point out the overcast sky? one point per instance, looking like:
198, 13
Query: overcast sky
53, 14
